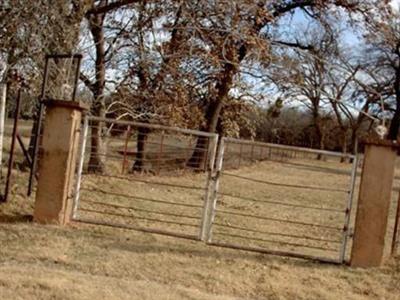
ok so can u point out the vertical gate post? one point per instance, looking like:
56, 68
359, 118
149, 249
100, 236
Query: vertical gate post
57, 165
212, 150
373, 203
215, 188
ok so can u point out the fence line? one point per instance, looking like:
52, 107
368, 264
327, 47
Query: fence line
290, 148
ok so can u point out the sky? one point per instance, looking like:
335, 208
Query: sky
395, 4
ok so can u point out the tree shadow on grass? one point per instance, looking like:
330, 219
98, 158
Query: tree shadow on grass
200, 250
18, 218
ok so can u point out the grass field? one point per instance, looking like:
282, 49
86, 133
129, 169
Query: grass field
84, 261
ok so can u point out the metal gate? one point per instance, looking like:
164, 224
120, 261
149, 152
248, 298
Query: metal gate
253, 196
145, 177
282, 200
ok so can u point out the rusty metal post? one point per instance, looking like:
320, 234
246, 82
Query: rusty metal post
3, 97
160, 153
188, 150
240, 155
12, 148
24, 149
38, 127
125, 160
206, 149
78, 57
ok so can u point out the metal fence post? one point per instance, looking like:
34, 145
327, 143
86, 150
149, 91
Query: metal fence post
3, 96
12, 148
212, 149
240, 155
125, 161
346, 228
159, 157
80, 168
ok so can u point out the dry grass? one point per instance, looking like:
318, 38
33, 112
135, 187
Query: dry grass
95, 262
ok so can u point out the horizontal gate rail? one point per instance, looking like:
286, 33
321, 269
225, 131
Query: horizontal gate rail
274, 252
277, 242
132, 227
153, 182
154, 126
138, 209
142, 198
282, 203
307, 187
278, 234
278, 220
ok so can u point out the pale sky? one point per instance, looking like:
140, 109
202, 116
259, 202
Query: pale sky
395, 4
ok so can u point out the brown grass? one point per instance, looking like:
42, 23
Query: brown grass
95, 262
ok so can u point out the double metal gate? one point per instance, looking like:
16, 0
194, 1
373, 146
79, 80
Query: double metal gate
244, 195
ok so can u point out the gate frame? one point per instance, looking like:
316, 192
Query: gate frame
214, 199
211, 154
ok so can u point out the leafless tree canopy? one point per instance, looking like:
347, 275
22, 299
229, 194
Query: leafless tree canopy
232, 67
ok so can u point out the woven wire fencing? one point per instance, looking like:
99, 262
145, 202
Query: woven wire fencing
153, 178
294, 201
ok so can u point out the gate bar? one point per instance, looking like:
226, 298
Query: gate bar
3, 97
212, 149
274, 252
80, 167
12, 149
346, 229
214, 195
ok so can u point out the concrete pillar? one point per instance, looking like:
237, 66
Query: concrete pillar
57, 161
373, 203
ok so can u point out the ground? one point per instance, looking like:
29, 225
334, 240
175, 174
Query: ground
95, 262
46, 262
84, 261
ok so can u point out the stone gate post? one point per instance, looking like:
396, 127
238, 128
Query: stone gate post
374, 203
57, 161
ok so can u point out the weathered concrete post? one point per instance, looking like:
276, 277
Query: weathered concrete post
57, 161
373, 203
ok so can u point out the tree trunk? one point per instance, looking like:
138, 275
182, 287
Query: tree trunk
344, 145
214, 108
97, 150
395, 124
198, 159
318, 130
140, 158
